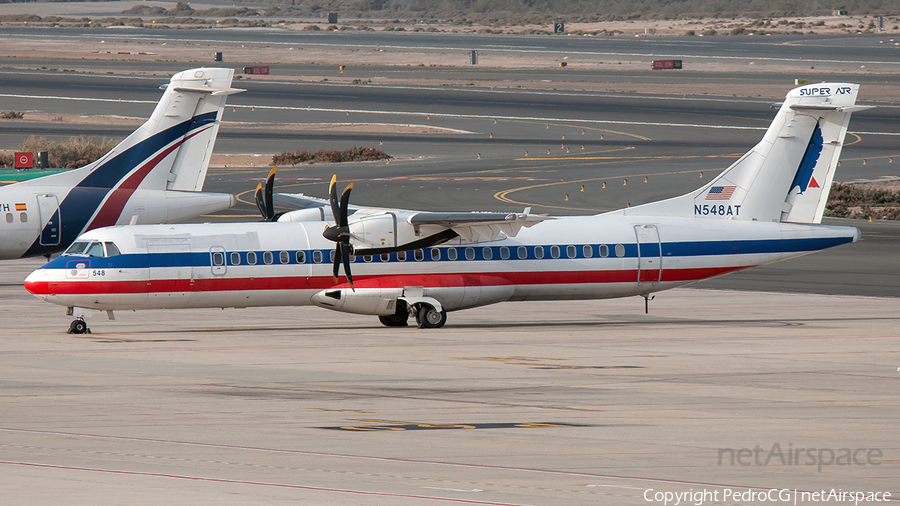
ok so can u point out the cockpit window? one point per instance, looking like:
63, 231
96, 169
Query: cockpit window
95, 249
77, 248
112, 250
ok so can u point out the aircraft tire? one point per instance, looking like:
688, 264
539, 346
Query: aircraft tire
394, 320
429, 318
78, 327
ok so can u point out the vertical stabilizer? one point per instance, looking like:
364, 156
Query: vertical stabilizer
787, 175
210, 91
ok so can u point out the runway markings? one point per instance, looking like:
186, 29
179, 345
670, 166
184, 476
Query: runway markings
258, 483
542, 363
418, 113
417, 462
503, 196
388, 425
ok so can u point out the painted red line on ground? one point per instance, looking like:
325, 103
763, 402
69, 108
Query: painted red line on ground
395, 459
258, 483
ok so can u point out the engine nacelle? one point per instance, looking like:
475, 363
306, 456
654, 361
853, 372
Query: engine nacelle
385, 233
311, 214
371, 301
377, 231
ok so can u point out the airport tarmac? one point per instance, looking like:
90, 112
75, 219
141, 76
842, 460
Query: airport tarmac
587, 402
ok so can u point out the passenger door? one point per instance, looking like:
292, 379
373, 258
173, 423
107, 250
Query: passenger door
649, 254
48, 209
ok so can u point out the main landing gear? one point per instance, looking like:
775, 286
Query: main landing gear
78, 326
427, 317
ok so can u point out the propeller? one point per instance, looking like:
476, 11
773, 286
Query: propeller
264, 201
340, 233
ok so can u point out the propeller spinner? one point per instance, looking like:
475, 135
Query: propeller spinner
340, 233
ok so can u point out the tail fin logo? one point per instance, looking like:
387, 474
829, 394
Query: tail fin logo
803, 179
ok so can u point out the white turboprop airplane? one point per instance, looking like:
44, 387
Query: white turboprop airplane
764, 208
155, 175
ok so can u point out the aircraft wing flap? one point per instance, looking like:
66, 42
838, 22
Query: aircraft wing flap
473, 226
215, 91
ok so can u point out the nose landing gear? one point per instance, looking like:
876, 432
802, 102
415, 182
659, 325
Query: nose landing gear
78, 326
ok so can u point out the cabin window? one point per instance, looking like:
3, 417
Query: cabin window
76, 248
554, 251
352, 259
112, 250
9, 217
317, 256
419, 255
235, 258
470, 254
504, 253
451, 253
95, 249
620, 250
285, 257
218, 258
385, 257
23, 217
300, 256
331, 256
367, 258
267, 257
251, 257
588, 251
538, 252
401, 256
487, 253
571, 251
522, 252
435, 254
604, 250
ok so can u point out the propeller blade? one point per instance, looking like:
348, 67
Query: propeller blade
345, 200
345, 248
332, 191
337, 262
269, 201
260, 202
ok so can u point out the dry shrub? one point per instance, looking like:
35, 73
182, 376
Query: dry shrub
356, 154
72, 153
12, 115
860, 202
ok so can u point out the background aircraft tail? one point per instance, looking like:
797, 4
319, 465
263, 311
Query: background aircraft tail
171, 150
788, 175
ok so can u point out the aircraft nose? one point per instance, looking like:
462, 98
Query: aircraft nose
37, 282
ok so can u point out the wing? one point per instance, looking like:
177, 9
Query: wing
376, 230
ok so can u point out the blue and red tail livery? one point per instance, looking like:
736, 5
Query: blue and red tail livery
155, 175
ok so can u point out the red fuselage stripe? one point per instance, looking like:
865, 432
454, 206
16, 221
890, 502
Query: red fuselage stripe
223, 284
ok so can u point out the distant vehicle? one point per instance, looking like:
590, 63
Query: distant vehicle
155, 175
763, 209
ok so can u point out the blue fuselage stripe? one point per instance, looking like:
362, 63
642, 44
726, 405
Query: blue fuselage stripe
670, 250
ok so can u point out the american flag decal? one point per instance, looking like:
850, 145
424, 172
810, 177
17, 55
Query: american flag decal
720, 193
